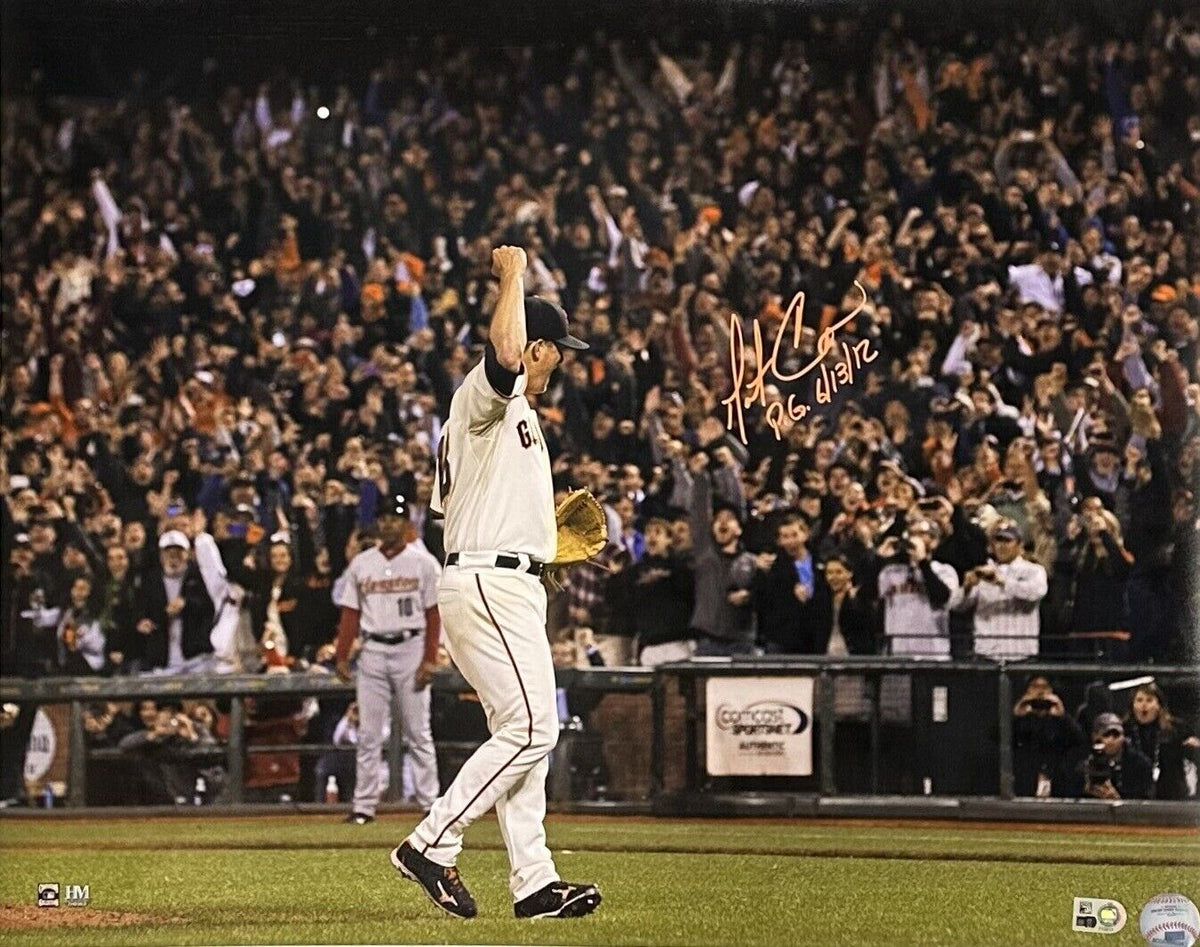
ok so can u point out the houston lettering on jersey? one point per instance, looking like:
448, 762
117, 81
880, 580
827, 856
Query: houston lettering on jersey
388, 586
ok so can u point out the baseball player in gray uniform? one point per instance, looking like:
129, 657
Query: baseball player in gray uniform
390, 595
495, 491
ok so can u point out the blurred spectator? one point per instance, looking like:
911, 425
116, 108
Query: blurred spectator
1115, 768
204, 721
119, 588
577, 765
916, 592
340, 764
842, 619
104, 725
1048, 744
82, 644
109, 782
1099, 566
654, 598
29, 626
1158, 736
275, 596
785, 600
1005, 595
576, 648
165, 774
176, 612
727, 576
16, 723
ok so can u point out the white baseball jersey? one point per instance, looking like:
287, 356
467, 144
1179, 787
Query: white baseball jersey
914, 626
1006, 614
494, 485
495, 490
391, 595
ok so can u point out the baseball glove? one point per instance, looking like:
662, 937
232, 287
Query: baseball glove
582, 528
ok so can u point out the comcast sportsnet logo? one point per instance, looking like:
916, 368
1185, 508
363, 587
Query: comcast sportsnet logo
762, 718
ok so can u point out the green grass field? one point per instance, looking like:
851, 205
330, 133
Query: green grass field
312, 880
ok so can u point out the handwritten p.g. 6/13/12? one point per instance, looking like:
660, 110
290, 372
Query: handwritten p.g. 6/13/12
744, 393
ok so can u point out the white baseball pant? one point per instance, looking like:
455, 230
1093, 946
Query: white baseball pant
495, 630
386, 676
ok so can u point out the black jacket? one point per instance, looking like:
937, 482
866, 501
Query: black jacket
856, 619
1099, 600
291, 617
197, 616
785, 624
652, 599
1132, 775
1053, 745
119, 605
1165, 749
318, 615
26, 650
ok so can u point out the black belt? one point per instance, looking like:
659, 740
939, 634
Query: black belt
399, 638
507, 562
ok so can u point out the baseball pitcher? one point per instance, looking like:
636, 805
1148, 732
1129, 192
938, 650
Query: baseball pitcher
494, 489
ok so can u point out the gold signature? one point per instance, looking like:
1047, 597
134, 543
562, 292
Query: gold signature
854, 357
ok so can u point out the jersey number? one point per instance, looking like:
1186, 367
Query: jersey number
443, 466
406, 607
524, 435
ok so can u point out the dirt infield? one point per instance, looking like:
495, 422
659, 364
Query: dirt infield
26, 917
1081, 828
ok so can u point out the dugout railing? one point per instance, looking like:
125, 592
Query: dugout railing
233, 691
955, 715
955, 718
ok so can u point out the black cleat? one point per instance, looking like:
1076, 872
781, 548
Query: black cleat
359, 818
442, 885
559, 899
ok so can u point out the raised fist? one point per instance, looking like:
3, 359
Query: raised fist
508, 261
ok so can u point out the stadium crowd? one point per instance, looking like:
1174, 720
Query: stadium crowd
233, 321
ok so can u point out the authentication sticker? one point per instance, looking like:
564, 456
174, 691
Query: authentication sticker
1098, 916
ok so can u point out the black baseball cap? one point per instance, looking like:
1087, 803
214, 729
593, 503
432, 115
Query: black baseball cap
547, 320
399, 507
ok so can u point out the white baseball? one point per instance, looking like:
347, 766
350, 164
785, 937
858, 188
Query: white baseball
1170, 913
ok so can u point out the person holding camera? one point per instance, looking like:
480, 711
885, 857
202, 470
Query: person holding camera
1047, 742
1005, 594
1100, 567
1115, 769
916, 592
164, 776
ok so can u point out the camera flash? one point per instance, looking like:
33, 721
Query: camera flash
323, 112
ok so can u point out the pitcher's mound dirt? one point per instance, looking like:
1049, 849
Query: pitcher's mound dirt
24, 917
